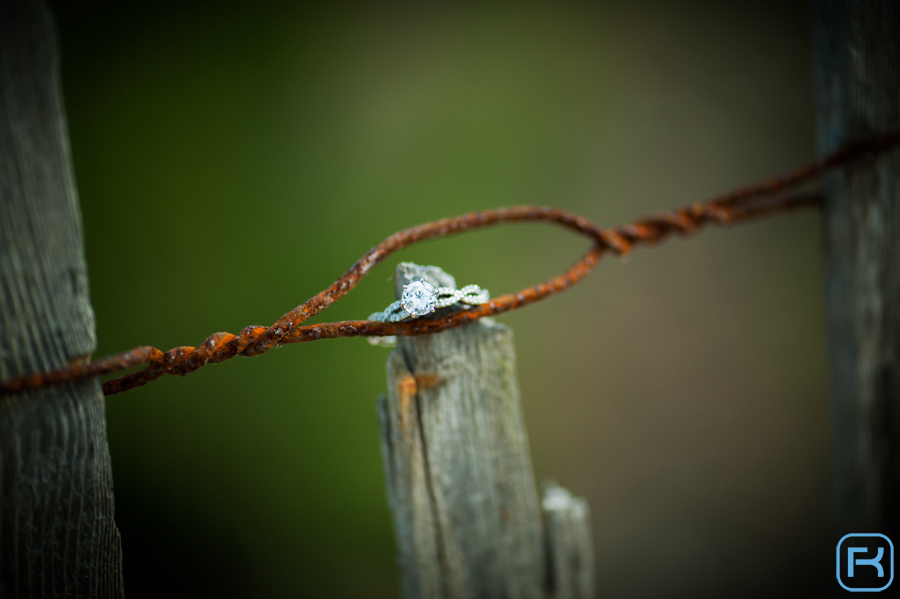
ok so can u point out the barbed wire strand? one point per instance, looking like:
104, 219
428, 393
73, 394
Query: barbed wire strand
740, 205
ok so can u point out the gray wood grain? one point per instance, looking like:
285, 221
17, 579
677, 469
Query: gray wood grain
57, 535
466, 513
857, 91
569, 543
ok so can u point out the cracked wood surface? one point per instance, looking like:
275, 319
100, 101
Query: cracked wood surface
57, 535
857, 93
467, 516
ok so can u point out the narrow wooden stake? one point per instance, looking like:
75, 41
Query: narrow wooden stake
460, 485
857, 91
57, 535
569, 543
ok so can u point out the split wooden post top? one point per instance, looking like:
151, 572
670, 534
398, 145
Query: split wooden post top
462, 493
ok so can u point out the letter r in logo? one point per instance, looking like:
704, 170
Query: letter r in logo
854, 561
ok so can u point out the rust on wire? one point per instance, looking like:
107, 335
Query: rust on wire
749, 202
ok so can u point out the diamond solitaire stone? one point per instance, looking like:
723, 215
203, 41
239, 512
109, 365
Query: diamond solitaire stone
419, 298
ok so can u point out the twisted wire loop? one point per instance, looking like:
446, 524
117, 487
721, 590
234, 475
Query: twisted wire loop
749, 202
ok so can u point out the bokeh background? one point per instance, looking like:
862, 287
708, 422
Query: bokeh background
232, 160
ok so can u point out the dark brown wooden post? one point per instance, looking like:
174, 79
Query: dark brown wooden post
857, 91
466, 511
57, 535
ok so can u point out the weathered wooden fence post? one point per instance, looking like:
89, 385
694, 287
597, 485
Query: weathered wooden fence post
57, 535
857, 88
461, 489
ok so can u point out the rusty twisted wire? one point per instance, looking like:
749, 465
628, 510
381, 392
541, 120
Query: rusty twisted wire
739, 205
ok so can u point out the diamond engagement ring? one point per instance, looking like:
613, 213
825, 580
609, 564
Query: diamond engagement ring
421, 297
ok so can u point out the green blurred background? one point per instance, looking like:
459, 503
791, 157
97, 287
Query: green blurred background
234, 160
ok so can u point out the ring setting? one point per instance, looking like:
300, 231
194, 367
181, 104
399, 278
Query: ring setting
420, 298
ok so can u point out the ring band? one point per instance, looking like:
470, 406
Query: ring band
420, 297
